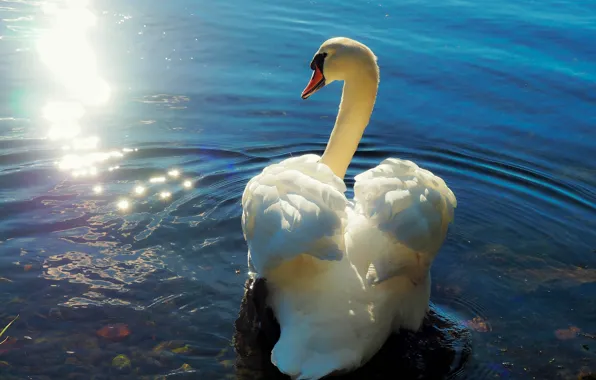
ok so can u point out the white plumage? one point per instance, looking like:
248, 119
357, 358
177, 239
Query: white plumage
342, 274
293, 207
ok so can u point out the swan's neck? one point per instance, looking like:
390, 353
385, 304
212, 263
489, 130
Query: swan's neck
357, 102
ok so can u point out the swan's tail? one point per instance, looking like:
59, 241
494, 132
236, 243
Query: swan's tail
293, 356
324, 332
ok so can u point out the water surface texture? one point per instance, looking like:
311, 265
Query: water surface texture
129, 128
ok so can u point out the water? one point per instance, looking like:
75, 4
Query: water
495, 97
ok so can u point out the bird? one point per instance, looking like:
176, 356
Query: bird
343, 274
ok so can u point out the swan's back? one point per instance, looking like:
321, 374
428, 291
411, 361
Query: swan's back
408, 201
293, 207
400, 220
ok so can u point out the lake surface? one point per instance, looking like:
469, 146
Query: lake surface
128, 130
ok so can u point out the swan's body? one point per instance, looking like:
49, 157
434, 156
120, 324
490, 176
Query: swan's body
343, 274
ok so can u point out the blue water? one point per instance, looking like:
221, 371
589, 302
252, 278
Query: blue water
496, 97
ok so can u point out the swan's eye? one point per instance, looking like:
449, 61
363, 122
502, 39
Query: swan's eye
318, 61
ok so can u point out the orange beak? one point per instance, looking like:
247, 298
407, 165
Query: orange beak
317, 81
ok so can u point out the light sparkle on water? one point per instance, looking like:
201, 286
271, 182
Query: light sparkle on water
123, 205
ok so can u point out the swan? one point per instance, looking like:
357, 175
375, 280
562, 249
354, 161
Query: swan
342, 275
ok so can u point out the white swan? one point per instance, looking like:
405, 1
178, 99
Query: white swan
342, 275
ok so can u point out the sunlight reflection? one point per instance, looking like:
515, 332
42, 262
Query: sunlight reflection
84, 172
71, 61
86, 143
64, 131
80, 161
115, 153
67, 53
63, 118
139, 190
101, 272
123, 205
70, 58
58, 112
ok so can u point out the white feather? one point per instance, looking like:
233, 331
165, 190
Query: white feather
290, 208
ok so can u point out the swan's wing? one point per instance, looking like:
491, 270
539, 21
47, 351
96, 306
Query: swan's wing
405, 211
295, 206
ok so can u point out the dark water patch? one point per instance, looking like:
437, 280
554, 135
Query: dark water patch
26, 175
7, 144
22, 157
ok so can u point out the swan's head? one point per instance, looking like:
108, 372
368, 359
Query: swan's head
341, 58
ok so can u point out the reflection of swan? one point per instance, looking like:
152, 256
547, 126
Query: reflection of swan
342, 274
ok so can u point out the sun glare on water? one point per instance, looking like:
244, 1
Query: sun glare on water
123, 205
69, 58
64, 49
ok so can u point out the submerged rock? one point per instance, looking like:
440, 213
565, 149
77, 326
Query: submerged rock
121, 363
438, 350
114, 332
